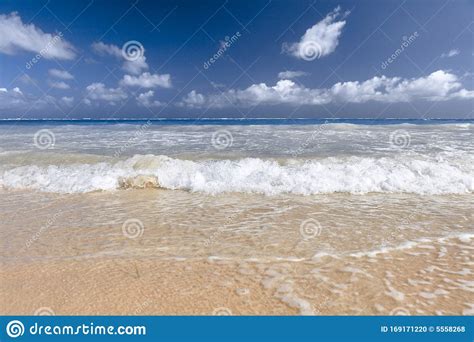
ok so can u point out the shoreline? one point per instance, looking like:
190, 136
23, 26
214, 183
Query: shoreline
414, 282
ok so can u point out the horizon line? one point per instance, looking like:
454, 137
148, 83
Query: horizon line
223, 118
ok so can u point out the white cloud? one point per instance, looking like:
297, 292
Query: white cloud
67, 100
147, 80
134, 67
287, 75
98, 91
319, 40
13, 98
62, 74
16, 36
58, 85
193, 100
438, 86
146, 99
450, 53
103, 49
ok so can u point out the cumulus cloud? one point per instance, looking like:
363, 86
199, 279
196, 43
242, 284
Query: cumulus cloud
319, 40
67, 100
450, 53
103, 49
62, 74
438, 86
58, 85
134, 67
13, 98
147, 80
194, 100
287, 75
98, 92
16, 36
146, 99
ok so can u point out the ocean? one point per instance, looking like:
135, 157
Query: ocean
318, 216
270, 157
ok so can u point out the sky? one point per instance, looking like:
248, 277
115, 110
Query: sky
236, 59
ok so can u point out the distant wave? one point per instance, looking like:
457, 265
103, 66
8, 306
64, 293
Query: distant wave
355, 175
239, 121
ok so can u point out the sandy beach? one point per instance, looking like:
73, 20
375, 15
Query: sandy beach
235, 254
398, 283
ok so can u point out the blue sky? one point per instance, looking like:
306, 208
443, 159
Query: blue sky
155, 59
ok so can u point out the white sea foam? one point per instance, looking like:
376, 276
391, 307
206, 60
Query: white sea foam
426, 243
357, 175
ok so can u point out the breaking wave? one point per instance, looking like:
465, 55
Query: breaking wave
356, 175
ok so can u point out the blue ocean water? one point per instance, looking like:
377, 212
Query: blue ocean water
269, 156
230, 121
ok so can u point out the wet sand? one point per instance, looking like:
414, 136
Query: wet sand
425, 280
189, 254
